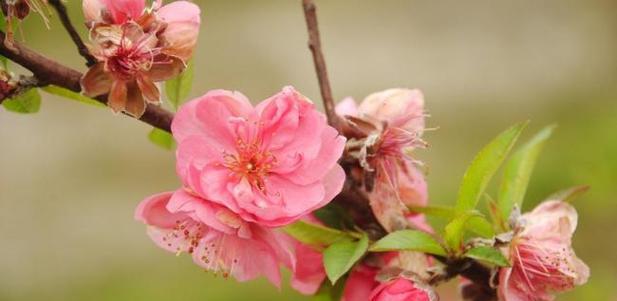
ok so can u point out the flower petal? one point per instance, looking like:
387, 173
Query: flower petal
180, 35
96, 81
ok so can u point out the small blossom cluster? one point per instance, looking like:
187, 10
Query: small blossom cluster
245, 171
136, 47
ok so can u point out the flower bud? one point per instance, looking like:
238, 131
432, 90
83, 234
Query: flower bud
402, 289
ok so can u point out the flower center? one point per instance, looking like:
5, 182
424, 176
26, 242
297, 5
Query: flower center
251, 162
125, 63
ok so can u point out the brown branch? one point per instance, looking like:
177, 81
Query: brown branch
50, 72
68, 25
314, 44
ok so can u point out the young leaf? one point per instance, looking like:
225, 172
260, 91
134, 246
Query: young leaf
161, 138
569, 194
342, 255
409, 240
480, 226
27, 102
177, 89
488, 255
313, 234
59, 91
484, 166
518, 172
455, 231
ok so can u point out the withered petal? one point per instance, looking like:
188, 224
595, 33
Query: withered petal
117, 98
148, 89
135, 105
165, 67
96, 81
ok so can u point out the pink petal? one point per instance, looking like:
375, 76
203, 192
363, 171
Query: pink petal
212, 118
347, 107
316, 168
183, 19
124, 10
309, 272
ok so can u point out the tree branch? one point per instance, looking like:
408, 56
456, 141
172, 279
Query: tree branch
48, 71
66, 22
314, 43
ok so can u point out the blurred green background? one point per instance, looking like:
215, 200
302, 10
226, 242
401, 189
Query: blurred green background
71, 175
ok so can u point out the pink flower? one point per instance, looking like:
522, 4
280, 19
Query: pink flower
393, 122
271, 164
541, 254
217, 239
402, 289
136, 48
360, 283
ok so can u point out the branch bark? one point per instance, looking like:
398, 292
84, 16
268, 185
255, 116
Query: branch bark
310, 14
68, 25
48, 71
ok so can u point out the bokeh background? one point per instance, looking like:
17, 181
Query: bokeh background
71, 175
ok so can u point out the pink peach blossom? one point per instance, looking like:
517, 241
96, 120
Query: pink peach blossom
217, 239
402, 289
543, 261
135, 48
271, 164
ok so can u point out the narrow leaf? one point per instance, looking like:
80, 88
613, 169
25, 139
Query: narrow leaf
27, 102
455, 230
409, 240
569, 194
518, 171
488, 255
484, 166
59, 91
178, 88
342, 255
314, 234
161, 138
480, 226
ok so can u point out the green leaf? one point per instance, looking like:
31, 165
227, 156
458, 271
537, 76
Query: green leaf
569, 194
314, 234
342, 255
454, 231
488, 255
178, 88
484, 166
161, 138
66, 93
27, 102
409, 240
480, 226
518, 172
330, 292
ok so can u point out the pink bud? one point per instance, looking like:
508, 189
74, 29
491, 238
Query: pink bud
402, 289
402, 108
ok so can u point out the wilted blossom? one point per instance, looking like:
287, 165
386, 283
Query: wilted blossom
217, 239
402, 289
136, 47
543, 261
394, 122
271, 164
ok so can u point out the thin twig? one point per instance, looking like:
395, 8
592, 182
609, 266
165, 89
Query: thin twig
68, 25
314, 44
50, 72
